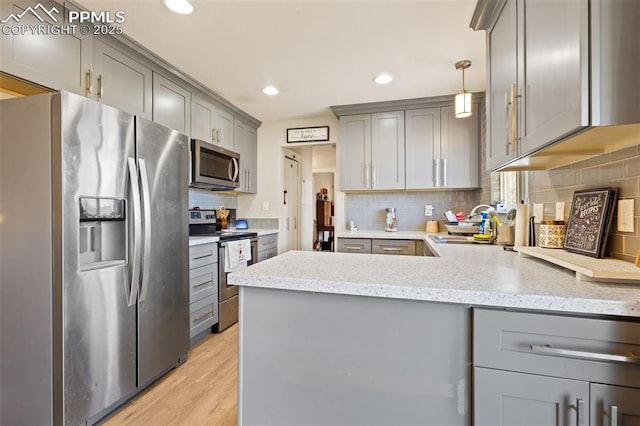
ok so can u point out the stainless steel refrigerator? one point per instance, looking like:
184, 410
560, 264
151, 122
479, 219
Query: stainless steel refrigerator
93, 257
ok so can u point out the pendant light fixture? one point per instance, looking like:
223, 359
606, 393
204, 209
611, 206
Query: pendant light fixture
463, 99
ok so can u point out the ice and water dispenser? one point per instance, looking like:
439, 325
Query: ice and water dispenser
102, 233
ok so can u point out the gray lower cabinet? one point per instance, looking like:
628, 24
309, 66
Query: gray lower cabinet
354, 245
327, 359
544, 369
393, 247
56, 61
203, 289
267, 246
121, 81
508, 398
171, 104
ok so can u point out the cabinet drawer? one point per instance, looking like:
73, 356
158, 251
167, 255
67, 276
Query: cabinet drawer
267, 242
203, 254
597, 350
203, 314
354, 245
203, 281
397, 247
267, 254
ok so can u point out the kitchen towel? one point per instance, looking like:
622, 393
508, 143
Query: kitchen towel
237, 254
522, 225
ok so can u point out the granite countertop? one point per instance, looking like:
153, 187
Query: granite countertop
473, 274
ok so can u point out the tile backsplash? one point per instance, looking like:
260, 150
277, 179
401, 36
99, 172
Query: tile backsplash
619, 169
208, 200
368, 210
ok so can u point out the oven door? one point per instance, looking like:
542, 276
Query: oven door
214, 167
225, 290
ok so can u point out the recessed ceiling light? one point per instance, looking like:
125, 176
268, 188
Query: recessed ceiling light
383, 79
270, 90
183, 7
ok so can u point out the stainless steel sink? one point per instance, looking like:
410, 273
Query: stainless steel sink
452, 239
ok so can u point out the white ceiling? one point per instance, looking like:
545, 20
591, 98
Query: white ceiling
319, 53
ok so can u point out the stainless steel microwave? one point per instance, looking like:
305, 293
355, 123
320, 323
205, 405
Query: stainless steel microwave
213, 167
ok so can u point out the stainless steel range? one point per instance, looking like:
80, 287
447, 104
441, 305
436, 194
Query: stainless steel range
203, 223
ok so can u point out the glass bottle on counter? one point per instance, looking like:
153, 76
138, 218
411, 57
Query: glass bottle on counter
391, 220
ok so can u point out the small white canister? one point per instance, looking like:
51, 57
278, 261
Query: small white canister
552, 234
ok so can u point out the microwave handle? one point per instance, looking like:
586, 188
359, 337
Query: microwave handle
236, 169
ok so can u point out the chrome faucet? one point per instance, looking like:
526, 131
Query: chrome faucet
473, 211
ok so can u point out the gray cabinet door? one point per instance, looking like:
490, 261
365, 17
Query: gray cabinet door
122, 82
223, 125
507, 398
459, 149
502, 60
553, 71
171, 104
202, 115
387, 150
421, 138
57, 61
246, 144
355, 152
614, 405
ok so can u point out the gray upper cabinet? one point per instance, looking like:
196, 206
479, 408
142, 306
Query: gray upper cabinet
122, 81
556, 77
223, 128
59, 62
355, 152
502, 76
246, 144
171, 104
202, 115
441, 150
372, 151
422, 137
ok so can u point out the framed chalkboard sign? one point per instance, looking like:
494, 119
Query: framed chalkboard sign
589, 221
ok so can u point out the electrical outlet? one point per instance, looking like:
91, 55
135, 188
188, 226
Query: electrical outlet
265, 206
625, 215
538, 212
428, 210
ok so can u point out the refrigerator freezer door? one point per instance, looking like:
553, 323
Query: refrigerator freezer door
163, 307
98, 326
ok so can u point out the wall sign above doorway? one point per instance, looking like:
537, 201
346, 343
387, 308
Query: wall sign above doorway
308, 134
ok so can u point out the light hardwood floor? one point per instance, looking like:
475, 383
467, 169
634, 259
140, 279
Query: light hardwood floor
202, 391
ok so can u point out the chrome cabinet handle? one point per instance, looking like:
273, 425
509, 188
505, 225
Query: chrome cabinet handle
373, 175
89, 81
137, 230
201, 317
353, 248
580, 410
437, 169
213, 135
367, 179
394, 249
612, 414
100, 87
208, 254
444, 172
631, 358
146, 206
514, 118
507, 121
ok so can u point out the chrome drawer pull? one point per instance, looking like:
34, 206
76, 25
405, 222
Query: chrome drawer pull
394, 249
201, 317
630, 358
208, 254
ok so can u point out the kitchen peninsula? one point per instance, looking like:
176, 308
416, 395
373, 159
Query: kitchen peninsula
341, 338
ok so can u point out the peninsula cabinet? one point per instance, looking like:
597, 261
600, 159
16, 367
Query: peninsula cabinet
555, 69
545, 369
171, 104
246, 144
441, 150
121, 81
372, 151
56, 61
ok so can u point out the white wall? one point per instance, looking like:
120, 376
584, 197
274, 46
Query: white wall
272, 139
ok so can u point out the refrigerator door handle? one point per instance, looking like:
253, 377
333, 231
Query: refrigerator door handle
146, 200
137, 229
